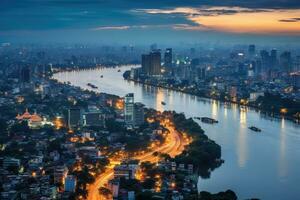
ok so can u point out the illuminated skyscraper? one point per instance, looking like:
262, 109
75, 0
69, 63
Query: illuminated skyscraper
155, 59
151, 63
168, 58
129, 109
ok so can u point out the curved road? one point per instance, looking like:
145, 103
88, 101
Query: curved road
173, 146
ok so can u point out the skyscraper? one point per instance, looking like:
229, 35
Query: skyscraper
155, 59
151, 63
146, 64
265, 60
168, 58
273, 58
286, 61
138, 114
129, 109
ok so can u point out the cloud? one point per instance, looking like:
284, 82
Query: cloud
233, 19
148, 26
203, 11
110, 28
189, 27
297, 19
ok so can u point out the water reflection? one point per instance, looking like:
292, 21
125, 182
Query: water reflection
159, 100
214, 109
242, 140
225, 112
282, 153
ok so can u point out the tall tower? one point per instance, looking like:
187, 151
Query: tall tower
273, 58
151, 63
129, 109
286, 61
146, 64
155, 59
168, 58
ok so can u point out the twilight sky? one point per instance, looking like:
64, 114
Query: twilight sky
147, 21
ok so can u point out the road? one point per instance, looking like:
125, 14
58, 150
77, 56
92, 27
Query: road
174, 145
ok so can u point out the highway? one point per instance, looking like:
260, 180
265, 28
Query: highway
174, 145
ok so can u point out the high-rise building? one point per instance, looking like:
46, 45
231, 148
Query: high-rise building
70, 183
155, 58
151, 63
201, 72
146, 64
265, 60
74, 117
168, 58
139, 117
251, 50
129, 109
273, 58
286, 61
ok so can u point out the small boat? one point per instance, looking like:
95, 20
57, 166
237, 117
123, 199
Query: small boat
199, 118
92, 86
163, 103
101, 76
209, 120
253, 128
119, 70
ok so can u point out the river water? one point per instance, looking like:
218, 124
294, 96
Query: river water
264, 165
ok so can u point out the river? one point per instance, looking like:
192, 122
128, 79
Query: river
264, 165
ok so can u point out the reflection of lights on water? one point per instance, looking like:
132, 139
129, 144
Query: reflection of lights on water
243, 117
159, 99
242, 147
282, 150
225, 112
214, 108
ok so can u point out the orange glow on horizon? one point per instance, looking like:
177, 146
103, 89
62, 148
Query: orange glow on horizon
253, 22
237, 19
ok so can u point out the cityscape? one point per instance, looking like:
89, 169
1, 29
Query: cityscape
175, 100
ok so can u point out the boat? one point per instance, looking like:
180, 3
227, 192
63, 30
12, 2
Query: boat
199, 118
92, 86
119, 70
101, 76
163, 103
253, 128
209, 120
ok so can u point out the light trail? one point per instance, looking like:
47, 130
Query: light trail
173, 146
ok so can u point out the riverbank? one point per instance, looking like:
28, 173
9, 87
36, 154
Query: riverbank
278, 115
